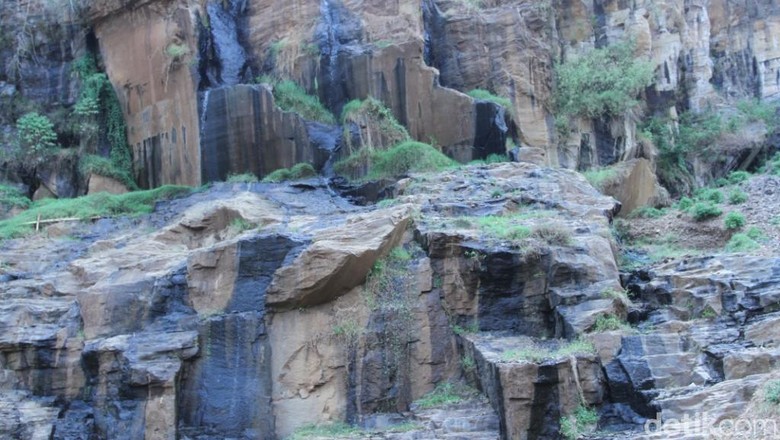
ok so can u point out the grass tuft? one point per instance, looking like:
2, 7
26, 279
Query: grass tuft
444, 394
484, 95
297, 172
406, 157
95, 205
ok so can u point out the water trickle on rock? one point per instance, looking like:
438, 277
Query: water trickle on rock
231, 56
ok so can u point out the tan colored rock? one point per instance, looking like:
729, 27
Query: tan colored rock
43, 193
158, 93
338, 260
98, 183
634, 184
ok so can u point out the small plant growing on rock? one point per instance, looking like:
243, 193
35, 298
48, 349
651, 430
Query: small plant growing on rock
738, 177
704, 210
36, 139
446, 393
468, 329
734, 220
581, 422
709, 195
553, 235
484, 95
618, 294
468, 363
609, 322
601, 178
685, 204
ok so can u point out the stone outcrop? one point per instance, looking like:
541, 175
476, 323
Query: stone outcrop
634, 184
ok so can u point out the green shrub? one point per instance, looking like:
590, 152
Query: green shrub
757, 110
755, 233
95, 205
484, 95
93, 164
177, 51
737, 197
36, 139
772, 393
291, 97
734, 220
242, 178
685, 204
582, 421
297, 172
702, 211
721, 182
741, 243
602, 82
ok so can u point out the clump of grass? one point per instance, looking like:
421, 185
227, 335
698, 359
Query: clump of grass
468, 364
600, 178
618, 294
503, 227
609, 322
581, 422
11, 197
239, 225
406, 157
737, 197
177, 51
446, 393
297, 172
703, 211
537, 353
553, 235
95, 205
734, 220
647, 212
468, 329
484, 95
242, 178
772, 393
291, 97
92, 164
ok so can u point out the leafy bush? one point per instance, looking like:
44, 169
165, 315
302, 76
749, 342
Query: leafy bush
741, 243
36, 139
291, 97
702, 211
406, 157
602, 82
582, 421
755, 234
734, 220
484, 95
737, 197
721, 182
95, 205
297, 172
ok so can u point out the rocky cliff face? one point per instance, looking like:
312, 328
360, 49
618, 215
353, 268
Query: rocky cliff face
251, 310
164, 58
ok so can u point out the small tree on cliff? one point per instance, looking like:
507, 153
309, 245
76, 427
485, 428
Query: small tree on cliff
36, 140
601, 83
